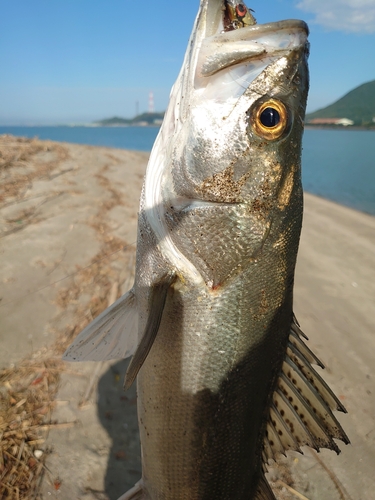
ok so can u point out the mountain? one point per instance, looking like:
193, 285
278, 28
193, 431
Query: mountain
143, 119
113, 121
358, 105
149, 118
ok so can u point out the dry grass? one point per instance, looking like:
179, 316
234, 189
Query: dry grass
16, 171
95, 282
15, 151
28, 390
26, 401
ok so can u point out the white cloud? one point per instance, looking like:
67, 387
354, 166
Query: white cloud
356, 16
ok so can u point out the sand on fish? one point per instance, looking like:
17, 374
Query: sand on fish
68, 216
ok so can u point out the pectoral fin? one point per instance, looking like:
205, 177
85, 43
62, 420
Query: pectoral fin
112, 335
158, 296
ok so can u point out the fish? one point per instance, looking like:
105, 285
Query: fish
225, 379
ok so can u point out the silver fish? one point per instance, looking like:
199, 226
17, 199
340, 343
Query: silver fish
225, 380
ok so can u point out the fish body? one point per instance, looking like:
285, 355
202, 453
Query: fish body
225, 381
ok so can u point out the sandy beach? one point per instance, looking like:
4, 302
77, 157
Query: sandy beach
68, 216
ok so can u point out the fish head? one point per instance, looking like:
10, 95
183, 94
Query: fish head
231, 137
241, 124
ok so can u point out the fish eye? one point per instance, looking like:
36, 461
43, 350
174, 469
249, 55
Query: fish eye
269, 119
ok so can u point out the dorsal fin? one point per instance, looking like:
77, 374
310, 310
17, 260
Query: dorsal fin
136, 493
302, 404
264, 491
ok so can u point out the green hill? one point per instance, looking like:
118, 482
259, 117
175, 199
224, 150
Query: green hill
144, 118
150, 118
358, 105
114, 121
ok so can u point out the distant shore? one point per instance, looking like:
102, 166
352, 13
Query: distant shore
86, 125
143, 125
339, 127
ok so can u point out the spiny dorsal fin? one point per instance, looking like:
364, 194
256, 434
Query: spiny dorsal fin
136, 493
301, 410
292, 378
296, 341
264, 491
315, 379
273, 438
282, 431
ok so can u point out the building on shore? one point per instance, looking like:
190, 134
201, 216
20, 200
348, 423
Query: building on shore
345, 122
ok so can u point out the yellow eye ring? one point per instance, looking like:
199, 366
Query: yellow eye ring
270, 119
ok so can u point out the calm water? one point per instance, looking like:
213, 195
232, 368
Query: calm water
340, 165
138, 138
337, 164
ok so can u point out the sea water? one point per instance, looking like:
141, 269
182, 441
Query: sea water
340, 165
138, 138
337, 164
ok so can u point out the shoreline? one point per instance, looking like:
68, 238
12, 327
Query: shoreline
136, 125
139, 125
339, 127
334, 202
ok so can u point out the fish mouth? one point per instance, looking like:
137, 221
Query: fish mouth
231, 15
221, 47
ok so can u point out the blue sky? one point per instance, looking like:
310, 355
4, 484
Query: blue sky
82, 60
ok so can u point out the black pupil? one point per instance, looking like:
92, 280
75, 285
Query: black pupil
270, 117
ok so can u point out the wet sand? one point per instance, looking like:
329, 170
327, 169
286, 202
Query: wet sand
68, 217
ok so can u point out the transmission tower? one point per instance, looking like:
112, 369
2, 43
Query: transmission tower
151, 106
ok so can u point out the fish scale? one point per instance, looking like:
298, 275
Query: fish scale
225, 381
